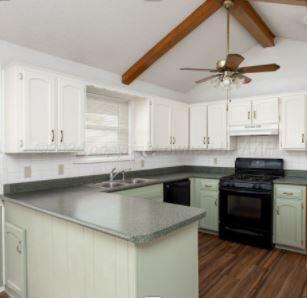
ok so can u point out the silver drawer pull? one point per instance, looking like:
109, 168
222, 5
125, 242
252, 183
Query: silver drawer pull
209, 186
277, 210
288, 193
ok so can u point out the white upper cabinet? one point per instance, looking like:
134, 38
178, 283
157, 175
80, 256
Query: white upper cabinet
198, 126
41, 109
161, 124
257, 111
293, 122
180, 126
37, 99
71, 107
265, 111
217, 126
240, 112
208, 126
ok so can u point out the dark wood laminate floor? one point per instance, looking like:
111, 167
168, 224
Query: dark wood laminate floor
235, 270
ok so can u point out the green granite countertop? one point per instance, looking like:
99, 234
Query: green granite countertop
291, 180
133, 219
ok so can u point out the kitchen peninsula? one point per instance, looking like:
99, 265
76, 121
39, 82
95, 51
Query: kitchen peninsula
81, 242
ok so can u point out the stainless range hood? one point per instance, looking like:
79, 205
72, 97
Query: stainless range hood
254, 130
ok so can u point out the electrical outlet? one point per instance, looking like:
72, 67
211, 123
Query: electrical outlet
215, 161
61, 169
27, 172
142, 163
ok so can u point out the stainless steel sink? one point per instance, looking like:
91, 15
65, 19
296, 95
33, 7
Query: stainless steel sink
113, 185
138, 181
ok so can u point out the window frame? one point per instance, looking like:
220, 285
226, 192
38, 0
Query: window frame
82, 157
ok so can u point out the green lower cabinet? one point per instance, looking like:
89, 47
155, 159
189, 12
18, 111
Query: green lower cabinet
290, 216
209, 202
205, 195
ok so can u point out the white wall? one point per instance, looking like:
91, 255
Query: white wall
253, 146
289, 54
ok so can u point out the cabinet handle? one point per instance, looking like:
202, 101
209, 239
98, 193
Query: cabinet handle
208, 186
52, 135
288, 193
18, 248
171, 140
249, 115
303, 138
174, 140
208, 140
62, 136
302, 205
255, 114
277, 210
215, 203
205, 140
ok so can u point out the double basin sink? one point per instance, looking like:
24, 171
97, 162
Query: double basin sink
118, 184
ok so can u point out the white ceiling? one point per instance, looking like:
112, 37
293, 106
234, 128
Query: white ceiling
113, 34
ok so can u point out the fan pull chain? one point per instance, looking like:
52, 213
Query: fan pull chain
228, 31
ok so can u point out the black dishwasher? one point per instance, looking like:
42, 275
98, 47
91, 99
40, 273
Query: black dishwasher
178, 192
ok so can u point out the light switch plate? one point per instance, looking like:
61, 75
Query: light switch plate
27, 172
61, 169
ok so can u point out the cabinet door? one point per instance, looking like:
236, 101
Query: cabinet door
38, 96
217, 126
240, 112
209, 202
15, 257
161, 111
198, 126
71, 109
289, 222
293, 122
265, 111
180, 125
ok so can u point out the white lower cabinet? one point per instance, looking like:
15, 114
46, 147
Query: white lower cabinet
290, 216
15, 261
205, 195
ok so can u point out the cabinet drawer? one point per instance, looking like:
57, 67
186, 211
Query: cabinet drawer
290, 192
209, 184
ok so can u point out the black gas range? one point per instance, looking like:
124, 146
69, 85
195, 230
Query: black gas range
246, 201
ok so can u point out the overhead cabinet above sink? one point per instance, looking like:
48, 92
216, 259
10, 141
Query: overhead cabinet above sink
254, 117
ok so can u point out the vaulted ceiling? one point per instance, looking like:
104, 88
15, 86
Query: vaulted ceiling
113, 34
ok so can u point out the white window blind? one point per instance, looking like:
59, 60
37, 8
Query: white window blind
107, 125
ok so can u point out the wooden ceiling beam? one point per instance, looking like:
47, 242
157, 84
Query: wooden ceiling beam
252, 22
202, 13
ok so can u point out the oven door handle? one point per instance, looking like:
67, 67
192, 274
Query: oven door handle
237, 191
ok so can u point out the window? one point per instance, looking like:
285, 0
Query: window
107, 124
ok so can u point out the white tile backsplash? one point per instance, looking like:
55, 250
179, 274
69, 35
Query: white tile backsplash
45, 166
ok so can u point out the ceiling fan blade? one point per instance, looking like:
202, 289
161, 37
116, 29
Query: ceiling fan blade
259, 68
198, 69
290, 2
246, 79
207, 79
233, 61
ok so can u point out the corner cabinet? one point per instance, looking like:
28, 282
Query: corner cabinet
208, 127
293, 122
160, 124
290, 216
44, 112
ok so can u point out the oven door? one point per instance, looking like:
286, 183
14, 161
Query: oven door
244, 209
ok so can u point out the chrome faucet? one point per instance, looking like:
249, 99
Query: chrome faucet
113, 174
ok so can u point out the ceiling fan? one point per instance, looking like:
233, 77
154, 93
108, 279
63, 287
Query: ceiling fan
228, 71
